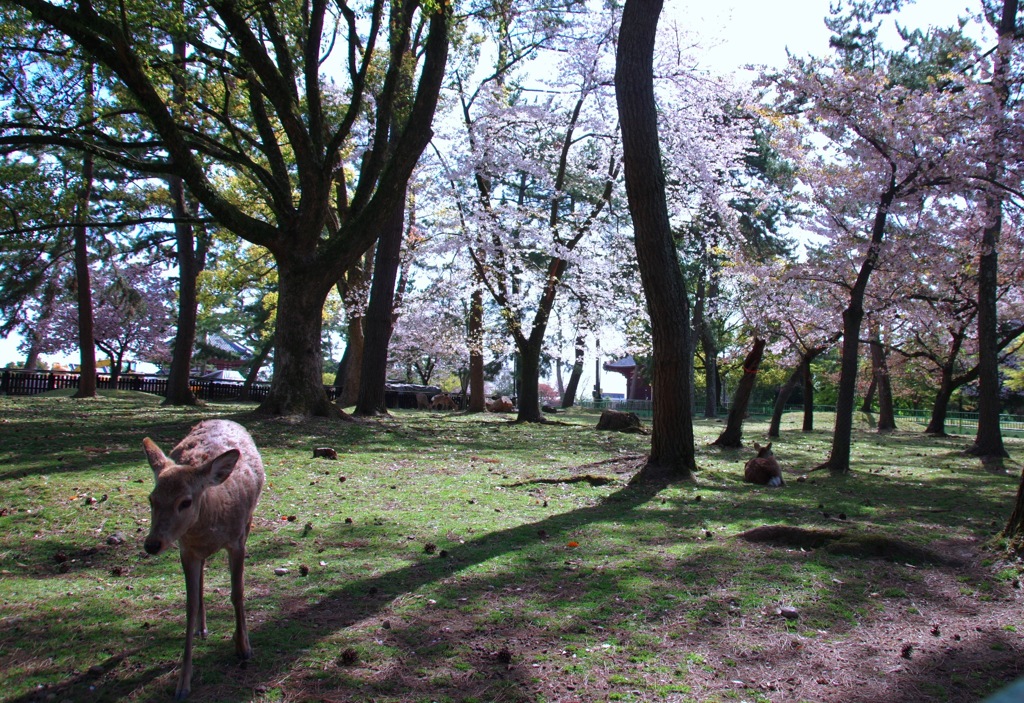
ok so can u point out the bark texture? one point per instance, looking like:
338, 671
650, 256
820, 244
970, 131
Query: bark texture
83, 280
379, 321
672, 451
732, 435
988, 444
569, 396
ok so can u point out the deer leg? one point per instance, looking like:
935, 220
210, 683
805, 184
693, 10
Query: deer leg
193, 569
236, 562
201, 621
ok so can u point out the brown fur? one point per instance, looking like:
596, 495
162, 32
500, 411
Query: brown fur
763, 469
204, 498
499, 405
442, 401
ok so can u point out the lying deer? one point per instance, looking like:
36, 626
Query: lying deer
764, 468
204, 498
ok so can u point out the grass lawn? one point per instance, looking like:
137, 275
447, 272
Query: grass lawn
445, 557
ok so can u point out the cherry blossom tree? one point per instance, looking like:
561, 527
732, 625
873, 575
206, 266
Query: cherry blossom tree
796, 307
928, 291
877, 147
543, 172
132, 316
429, 336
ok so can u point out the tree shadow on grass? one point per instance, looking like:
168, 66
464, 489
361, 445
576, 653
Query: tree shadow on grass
308, 621
300, 644
353, 602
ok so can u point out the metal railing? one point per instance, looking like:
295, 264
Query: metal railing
957, 422
14, 382
25, 383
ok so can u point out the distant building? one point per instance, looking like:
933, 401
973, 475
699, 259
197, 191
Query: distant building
222, 353
636, 387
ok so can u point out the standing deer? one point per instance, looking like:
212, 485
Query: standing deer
442, 401
764, 468
204, 498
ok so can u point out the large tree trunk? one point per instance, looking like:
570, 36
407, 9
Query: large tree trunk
529, 381
569, 396
869, 396
842, 437
297, 387
380, 320
808, 425
259, 359
880, 367
732, 435
475, 333
83, 279
672, 451
795, 379
190, 263
702, 331
116, 367
940, 407
988, 444
353, 292
710, 377
1014, 530
350, 368
801, 374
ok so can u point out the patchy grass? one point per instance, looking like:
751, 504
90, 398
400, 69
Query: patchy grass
436, 560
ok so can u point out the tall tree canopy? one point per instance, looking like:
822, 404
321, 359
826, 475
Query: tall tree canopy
283, 137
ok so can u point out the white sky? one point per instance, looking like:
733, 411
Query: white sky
738, 32
760, 31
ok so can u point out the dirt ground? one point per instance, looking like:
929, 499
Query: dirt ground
952, 630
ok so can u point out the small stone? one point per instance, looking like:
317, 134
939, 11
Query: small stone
789, 612
280, 571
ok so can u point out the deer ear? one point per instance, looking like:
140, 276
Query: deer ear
220, 468
757, 447
768, 446
157, 460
